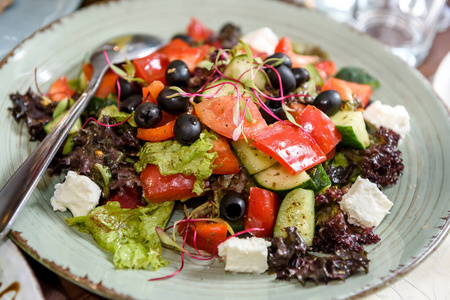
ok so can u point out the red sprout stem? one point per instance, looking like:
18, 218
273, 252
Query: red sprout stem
118, 94
102, 124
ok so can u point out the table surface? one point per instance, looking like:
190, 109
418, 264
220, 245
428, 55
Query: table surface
428, 281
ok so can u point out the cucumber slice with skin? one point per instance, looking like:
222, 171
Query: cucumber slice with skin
239, 68
297, 209
319, 177
352, 127
254, 160
278, 179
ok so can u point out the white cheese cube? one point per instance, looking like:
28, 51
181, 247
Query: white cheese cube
395, 118
78, 193
365, 204
245, 255
262, 40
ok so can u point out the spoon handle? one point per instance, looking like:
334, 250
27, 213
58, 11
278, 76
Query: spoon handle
20, 186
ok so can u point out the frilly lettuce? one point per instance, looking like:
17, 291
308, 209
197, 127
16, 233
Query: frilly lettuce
129, 234
173, 158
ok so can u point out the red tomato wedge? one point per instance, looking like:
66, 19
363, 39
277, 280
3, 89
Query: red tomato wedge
179, 49
262, 211
226, 162
217, 114
130, 198
348, 90
207, 235
198, 31
320, 127
326, 68
298, 61
152, 67
290, 145
159, 188
60, 89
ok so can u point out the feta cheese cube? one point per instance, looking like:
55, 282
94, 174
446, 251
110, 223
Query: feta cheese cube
262, 40
245, 255
78, 193
395, 118
365, 204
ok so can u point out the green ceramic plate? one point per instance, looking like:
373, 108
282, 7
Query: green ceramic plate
418, 221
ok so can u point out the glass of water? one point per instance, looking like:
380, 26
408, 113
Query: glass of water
408, 27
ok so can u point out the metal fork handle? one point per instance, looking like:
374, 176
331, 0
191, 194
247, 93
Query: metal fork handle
22, 183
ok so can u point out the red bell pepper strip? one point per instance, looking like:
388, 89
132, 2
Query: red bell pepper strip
150, 92
207, 235
348, 90
262, 211
320, 127
226, 162
290, 145
159, 188
298, 61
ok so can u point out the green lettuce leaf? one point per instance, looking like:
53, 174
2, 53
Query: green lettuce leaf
173, 158
129, 234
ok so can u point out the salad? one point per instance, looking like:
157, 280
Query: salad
275, 157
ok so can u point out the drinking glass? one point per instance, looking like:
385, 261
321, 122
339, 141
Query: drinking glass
408, 27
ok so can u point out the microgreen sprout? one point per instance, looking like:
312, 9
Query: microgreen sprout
105, 125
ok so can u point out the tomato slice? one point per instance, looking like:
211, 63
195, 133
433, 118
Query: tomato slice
60, 89
262, 211
298, 61
130, 198
179, 49
217, 114
320, 127
198, 31
290, 145
326, 68
207, 235
159, 188
348, 90
152, 67
226, 162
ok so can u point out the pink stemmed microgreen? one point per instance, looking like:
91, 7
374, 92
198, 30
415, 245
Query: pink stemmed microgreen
105, 125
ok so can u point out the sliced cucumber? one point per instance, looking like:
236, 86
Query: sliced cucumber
319, 177
278, 179
297, 209
239, 68
352, 127
310, 87
222, 87
50, 125
254, 160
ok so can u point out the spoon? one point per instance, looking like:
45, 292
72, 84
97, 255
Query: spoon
20, 186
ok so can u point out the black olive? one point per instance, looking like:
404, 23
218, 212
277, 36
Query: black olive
229, 35
276, 108
184, 37
233, 206
173, 105
187, 129
147, 115
130, 103
301, 75
329, 102
126, 89
287, 61
287, 78
177, 73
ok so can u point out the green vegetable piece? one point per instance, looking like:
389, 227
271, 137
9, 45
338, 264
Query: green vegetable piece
320, 178
352, 127
68, 145
50, 125
102, 177
239, 68
119, 116
96, 104
129, 234
359, 76
61, 107
254, 160
173, 158
297, 209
